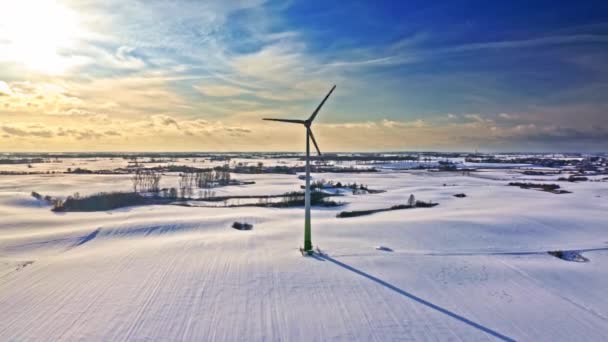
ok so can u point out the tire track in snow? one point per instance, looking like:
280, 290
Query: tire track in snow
540, 285
98, 296
206, 274
156, 279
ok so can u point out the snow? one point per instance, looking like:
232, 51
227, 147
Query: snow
470, 269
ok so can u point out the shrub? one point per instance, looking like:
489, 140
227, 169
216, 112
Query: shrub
80, 171
100, 202
355, 213
295, 199
242, 226
422, 204
573, 178
534, 173
545, 187
48, 199
401, 206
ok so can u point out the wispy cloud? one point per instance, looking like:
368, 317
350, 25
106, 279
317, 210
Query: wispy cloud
221, 90
530, 43
33, 131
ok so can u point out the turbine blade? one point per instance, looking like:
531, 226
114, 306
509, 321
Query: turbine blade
314, 114
314, 141
286, 120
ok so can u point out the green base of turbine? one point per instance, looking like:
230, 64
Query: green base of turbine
307, 238
316, 251
306, 253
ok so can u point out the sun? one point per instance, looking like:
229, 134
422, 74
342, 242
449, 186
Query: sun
37, 34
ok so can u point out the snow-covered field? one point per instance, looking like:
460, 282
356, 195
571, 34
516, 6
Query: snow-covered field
470, 269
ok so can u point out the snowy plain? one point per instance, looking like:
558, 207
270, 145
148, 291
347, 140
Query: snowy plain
470, 269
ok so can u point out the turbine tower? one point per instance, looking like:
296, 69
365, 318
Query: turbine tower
309, 136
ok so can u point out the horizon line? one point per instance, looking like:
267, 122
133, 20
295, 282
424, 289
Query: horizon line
302, 152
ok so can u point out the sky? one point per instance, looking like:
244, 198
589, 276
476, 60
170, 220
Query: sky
127, 75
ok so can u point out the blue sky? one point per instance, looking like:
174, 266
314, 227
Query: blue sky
411, 75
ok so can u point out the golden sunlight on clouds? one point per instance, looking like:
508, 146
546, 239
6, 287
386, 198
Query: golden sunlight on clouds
118, 75
5, 90
36, 31
76, 131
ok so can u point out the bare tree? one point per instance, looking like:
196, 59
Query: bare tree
186, 182
136, 179
146, 181
411, 201
173, 193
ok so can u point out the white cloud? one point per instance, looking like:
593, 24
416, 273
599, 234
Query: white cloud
507, 116
474, 117
5, 90
401, 124
123, 58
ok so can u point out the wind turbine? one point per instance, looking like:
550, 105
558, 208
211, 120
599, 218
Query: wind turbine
307, 123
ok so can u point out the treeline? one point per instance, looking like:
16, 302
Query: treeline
202, 179
355, 213
354, 187
281, 169
22, 161
584, 164
296, 199
83, 171
114, 200
100, 202
365, 157
23, 173
243, 169
573, 178
547, 162
146, 181
552, 188
542, 186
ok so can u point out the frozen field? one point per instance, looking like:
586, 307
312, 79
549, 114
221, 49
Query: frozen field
470, 269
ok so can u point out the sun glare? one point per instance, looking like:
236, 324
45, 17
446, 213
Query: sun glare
35, 33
